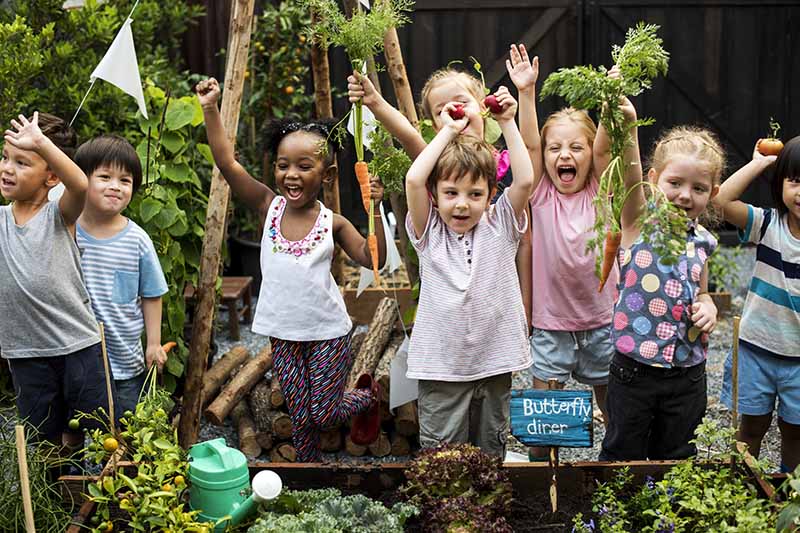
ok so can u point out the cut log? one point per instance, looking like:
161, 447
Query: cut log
247, 430
264, 440
276, 398
406, 422
216, 375
386, 414
331, 440
380, 329
283, 453
252, 373
384, 366
352, 448
281, 424
356, 341
258, 399
381, 447
400, 445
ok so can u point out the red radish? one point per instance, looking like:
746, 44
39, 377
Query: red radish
492, 103
457, 113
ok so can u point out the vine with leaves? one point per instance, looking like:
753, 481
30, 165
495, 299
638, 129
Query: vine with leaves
640, 60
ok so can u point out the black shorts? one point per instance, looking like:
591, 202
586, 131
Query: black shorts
51, 390
652, 411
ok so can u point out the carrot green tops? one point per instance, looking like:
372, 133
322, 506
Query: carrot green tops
652, 317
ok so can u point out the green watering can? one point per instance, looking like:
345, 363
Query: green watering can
220, 484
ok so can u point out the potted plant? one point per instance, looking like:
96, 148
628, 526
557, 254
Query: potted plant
723, 273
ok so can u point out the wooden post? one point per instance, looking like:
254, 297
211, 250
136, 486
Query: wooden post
24, 482
205, 293
553, 384
323, 104
735, 375
112, 424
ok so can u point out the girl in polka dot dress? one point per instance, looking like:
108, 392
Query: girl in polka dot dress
657, 383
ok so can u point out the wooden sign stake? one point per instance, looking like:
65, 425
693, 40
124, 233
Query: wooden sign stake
735, 374
553, 459
24, 482
205, 293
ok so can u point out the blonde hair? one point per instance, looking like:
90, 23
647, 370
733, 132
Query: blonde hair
577, 116
689, 141
470, 83
465, 155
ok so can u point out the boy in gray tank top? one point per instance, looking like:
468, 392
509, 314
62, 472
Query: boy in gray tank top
49, 334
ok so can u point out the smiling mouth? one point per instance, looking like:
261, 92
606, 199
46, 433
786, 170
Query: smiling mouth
566, 173
461, 217
293, 192
7, 182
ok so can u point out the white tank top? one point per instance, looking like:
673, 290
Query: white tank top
299, 299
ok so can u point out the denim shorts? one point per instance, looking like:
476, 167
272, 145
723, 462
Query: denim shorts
584, 355
127, 393
762, 380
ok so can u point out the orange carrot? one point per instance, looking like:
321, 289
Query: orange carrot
169, 346
362, 174
372, 242
613, 239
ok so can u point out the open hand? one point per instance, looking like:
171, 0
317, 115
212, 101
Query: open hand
208, 92
27, 136
522, 71
704, 315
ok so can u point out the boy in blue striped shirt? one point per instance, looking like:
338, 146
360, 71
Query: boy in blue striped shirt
120, 265
769, 346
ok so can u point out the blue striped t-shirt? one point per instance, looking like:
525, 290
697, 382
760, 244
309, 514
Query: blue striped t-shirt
771, 316
119, 272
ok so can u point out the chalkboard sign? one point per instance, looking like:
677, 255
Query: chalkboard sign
552, 417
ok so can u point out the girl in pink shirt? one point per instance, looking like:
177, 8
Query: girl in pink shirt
571, 320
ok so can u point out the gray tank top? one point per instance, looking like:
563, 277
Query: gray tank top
44, 306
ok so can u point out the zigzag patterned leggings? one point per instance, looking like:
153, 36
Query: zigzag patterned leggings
312, 376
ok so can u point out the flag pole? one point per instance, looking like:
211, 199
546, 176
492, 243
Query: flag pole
133, 9
82, 101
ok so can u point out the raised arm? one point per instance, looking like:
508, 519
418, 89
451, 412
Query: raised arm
524, 73
522, 186
360, 87
247, 189
734, 210
28, 136
419, 203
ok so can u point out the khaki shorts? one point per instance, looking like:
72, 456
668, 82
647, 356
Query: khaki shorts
475, 412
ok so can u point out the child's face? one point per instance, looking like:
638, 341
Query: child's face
567, 157
688, 183
110, 190
791, 198
461, 203
23, 174
450, 90
299, 168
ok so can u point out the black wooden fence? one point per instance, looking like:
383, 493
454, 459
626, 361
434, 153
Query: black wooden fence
734, 63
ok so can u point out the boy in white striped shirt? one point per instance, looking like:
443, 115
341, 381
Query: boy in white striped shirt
120, 265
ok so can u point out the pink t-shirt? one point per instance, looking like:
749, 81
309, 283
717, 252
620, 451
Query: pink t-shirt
565, 296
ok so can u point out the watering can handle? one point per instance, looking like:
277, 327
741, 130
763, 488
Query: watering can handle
218, 446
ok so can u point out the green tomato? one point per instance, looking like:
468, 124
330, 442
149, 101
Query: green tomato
74, 424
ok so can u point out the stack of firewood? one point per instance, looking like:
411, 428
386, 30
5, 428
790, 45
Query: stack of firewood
239, 388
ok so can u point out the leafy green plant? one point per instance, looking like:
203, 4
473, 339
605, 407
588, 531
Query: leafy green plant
691, 497
789, 518
388, 161
459, 488
723, 269
640, 60
153, 498
328, 511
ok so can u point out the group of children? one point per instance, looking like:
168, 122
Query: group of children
68, 264
506, 282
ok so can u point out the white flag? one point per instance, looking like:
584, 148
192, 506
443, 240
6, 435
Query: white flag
393, 258
365, 3
119, 67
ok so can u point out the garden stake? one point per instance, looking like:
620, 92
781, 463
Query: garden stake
553, 384
735, 374
24, 482
108, 380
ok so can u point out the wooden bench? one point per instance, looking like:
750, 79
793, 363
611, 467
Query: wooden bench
234, 289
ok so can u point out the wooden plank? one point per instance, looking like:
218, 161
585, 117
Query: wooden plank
464, 5
239, 39
530, 39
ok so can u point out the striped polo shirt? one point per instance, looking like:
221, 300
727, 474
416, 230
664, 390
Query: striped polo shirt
470, 322
119, 272
771, 317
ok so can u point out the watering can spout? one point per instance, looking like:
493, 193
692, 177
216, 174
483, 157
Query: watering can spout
266, 485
